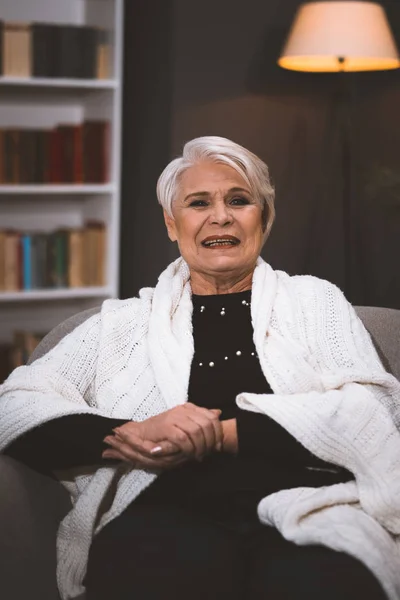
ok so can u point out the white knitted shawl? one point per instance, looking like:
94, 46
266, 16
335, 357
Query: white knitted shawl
133, 360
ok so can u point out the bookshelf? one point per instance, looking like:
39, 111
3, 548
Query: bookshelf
45, 103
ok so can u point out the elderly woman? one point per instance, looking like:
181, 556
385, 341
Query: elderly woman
229, 434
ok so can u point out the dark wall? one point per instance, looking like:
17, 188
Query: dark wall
214, 72
148, 60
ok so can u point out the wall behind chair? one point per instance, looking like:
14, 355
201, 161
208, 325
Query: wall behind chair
209, 68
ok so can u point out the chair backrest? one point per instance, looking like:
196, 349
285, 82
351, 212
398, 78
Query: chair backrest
383, 325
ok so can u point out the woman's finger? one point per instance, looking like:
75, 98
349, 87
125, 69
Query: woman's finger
112, 454
145, 447
156, 464
213, 416
189, 425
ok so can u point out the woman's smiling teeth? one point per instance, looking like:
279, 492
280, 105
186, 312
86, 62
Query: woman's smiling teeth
213, 242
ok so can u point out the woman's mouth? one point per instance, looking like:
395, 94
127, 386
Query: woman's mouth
220, 241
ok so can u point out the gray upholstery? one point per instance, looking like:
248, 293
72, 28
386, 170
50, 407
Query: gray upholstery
32, 505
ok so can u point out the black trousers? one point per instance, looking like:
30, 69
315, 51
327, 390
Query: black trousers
152, 552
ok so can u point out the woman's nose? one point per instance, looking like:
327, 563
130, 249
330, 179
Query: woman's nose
221, 214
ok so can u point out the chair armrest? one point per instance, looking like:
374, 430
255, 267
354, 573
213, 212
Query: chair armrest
31, 508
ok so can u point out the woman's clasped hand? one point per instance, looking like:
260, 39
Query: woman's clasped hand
169, 439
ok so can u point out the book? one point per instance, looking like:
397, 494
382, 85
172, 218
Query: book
76, 258
94, 253
67, 153
88, 42
55, 157
12, 277
71, 153
24, 50
2, 260
69, 57
17, 52
41, 156
8, 33
96, 151
44, 54
27, 156
57, 259
2, 176
103, 58
40, 260
1, 47
11, 151
26, 243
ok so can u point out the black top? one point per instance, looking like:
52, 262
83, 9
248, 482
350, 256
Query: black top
225, 363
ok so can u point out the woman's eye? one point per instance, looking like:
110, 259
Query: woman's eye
198, 203
239, 201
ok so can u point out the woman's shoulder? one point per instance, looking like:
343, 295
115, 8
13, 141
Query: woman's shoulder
306, 285
122, 310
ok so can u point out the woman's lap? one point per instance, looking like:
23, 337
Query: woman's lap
154, 550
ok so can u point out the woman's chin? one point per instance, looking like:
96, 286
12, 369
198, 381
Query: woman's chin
221, 262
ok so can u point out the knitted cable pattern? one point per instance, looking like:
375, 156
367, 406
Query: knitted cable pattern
132, 361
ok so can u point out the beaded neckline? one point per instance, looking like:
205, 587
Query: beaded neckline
218, 306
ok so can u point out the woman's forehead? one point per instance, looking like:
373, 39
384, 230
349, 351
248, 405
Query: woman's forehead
208, 176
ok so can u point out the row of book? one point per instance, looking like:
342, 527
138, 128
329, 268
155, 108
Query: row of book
54, 50
64, 258
76, 153
17, 353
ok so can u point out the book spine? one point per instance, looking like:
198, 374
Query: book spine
41, 260
103, 55
2, 260
66, 133
101, 255
51, 263
77, 153
61, 257
44, 55
2, 175
7, 50
55, 157
12, 261
88, 42
26, 241
24, 51
75, 261
34, 261
69, 57
24, 157
96, 149
1, 47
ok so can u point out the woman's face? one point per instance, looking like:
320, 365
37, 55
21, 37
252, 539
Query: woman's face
217, 221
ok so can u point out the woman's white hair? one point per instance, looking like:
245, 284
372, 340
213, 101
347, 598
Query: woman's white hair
221, 150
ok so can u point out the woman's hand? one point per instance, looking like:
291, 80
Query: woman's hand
168, 439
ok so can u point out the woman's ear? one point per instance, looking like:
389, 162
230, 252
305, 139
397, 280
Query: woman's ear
264, 217
170, 225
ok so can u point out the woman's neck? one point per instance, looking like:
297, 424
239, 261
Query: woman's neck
205, 285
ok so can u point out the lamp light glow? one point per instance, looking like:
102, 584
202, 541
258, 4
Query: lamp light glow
340, 36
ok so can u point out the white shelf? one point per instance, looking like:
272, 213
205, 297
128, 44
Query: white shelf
47, 82
55, 294
58, 189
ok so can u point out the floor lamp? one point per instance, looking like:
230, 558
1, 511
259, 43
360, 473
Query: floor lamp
341, 37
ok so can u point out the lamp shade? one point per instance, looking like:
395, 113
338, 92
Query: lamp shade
340, 36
